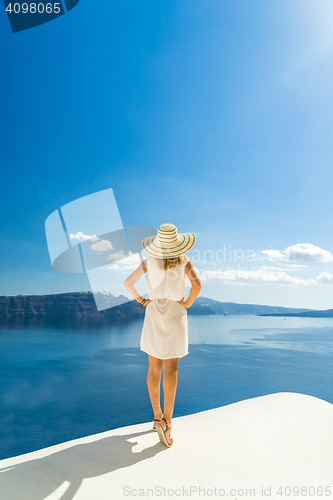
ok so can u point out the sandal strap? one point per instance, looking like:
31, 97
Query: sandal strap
167, 428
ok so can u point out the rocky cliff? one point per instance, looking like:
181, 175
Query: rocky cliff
77, 305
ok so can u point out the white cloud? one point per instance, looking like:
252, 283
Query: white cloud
291, 267
261, 276
114, 267
273, 255
116, 256
127, 264
308, 252
301, 251
285, 266
325, 278
83, 237
102, 246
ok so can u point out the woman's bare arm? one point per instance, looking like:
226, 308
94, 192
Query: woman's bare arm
195, 285
129, 283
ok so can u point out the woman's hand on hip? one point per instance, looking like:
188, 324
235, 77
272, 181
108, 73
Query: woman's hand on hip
184, 303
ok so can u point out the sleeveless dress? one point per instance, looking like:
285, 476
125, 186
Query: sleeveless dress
164, 333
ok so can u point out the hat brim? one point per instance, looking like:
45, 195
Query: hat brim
184, 243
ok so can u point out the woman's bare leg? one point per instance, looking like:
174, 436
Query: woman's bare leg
154, 383
170, 367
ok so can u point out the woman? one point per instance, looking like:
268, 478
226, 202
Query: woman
164, 335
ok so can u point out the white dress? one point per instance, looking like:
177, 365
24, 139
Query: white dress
164, 333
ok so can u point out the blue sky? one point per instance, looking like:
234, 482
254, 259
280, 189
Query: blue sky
214, 116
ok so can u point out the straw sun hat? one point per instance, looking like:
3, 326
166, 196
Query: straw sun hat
168, 243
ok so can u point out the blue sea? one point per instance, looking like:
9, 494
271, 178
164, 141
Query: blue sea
64, 382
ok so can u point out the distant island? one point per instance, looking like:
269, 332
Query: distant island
328, 313
82, 305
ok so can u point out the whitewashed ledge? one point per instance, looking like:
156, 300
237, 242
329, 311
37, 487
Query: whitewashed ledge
249, 449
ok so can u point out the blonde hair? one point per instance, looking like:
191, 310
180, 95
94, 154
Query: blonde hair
169, 263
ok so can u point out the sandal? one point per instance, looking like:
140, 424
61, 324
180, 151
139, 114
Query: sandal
161, 432
156, 420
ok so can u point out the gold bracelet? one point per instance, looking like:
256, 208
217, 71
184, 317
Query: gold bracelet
143, 302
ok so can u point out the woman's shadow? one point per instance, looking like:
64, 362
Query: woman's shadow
38, 478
